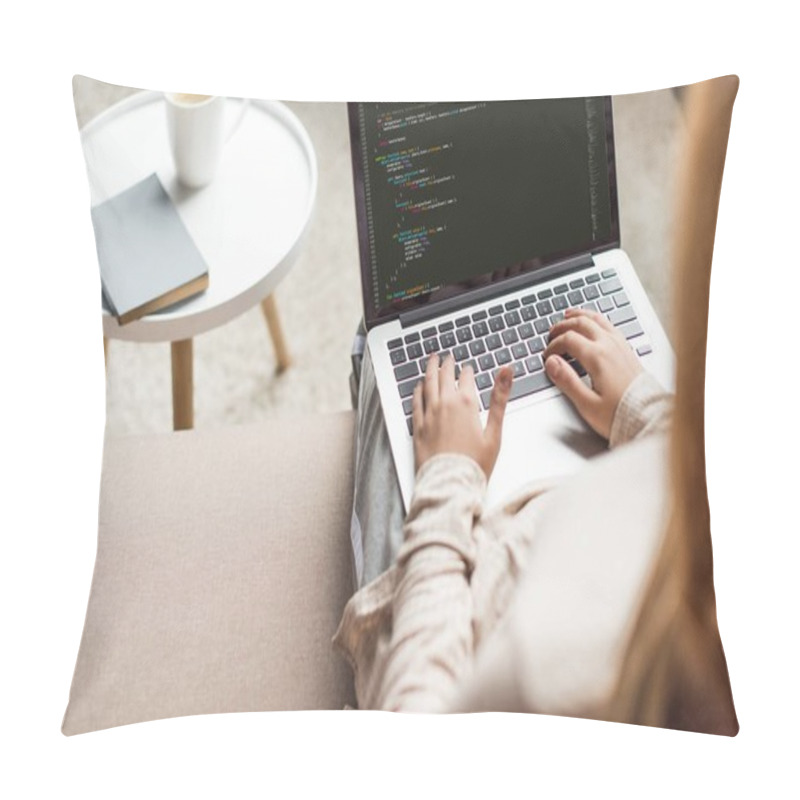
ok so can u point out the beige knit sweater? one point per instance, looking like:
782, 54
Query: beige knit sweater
527, 607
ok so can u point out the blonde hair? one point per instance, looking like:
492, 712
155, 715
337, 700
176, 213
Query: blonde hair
674, 673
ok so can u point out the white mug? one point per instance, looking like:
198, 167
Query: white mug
196, 124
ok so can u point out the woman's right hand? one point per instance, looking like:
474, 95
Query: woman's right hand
608, 358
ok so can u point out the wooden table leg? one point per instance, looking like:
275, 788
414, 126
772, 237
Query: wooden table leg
182, 385
270, 309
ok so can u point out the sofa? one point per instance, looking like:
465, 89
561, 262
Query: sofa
223, 566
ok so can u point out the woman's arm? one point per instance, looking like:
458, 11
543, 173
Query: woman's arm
431, 646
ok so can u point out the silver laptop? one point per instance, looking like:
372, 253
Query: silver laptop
479, 224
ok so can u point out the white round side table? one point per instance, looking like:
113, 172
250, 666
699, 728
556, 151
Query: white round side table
248, 223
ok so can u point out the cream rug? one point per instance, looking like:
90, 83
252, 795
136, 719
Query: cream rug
320, 299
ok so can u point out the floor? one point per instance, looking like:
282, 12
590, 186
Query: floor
320, 299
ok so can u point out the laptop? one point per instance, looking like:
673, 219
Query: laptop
479, 224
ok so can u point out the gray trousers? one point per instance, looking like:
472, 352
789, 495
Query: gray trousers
376, 528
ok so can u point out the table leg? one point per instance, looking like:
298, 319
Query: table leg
270, 309
105, 351
182, 385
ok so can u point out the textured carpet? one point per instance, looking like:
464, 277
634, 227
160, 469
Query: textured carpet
320, 300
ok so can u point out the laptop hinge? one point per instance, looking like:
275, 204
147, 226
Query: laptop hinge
475, 296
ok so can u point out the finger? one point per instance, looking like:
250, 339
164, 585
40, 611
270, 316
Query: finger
582, 324
497, 405
417, 410
447, 377
431, 389
567, 380
466, 384
571, 344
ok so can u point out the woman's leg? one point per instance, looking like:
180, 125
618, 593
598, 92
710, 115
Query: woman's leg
377, 523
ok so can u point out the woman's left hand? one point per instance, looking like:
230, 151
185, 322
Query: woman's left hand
446, 417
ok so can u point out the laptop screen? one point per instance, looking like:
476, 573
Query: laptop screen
455, 196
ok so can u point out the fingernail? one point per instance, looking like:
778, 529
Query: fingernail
553, 365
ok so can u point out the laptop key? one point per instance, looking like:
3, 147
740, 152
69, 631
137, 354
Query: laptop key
608, 273
644, 349
510, 336
443, 355
560, 302
622, 315
471, 363
544, 294
477, 347
394, 344
480, 329
512, 319
556, 318
541, 325
448, 339
397, 357
407, 389
544, 308
493, 341
462, 321
463, 335
517, 369
534, 364
631, 330
446, 326
408, 405
460, 352
605, 304
428, 332
575, 298
535, 346
479, 315
486, 362
412, 337
405, 371
621, 299
528, 299
410, 424
609, 287
593, 278
483, 381
496, 324
562, 288
525, 331
495, 310
502, 356
591, 293
414, 350
578, 283
528, 313
522, 387
519, 350
430, 345
590, 306
512, 304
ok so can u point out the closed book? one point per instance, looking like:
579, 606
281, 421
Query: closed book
148, 259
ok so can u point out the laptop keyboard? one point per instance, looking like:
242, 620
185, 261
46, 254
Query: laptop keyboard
514, 332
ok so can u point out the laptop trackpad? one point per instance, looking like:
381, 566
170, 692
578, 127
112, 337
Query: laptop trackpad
548, 440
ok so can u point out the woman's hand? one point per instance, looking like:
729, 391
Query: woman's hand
612, 365
446, 417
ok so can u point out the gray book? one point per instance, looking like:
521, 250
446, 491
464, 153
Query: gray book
148, 260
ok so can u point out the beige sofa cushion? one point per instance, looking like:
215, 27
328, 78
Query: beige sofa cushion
223, 565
